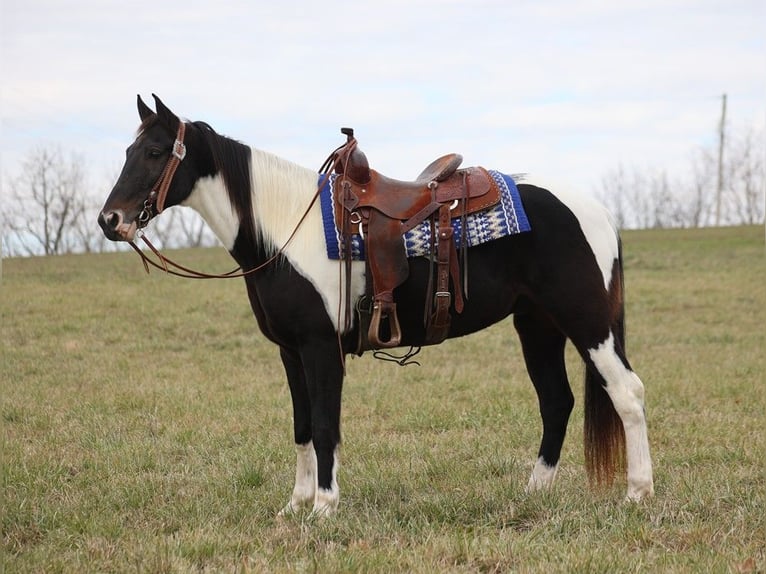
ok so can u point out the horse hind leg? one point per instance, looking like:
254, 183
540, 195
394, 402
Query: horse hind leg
543, 347
615, 421
626, 392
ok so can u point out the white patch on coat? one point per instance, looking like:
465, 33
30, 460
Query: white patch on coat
210, 199
282, 191
542, 476
596, 223
626, 391
305, 487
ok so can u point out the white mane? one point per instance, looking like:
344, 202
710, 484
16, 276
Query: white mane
282, 191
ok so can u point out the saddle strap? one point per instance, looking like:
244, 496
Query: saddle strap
446, 265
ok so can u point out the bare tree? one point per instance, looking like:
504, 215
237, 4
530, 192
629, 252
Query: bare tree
614, 195
46, 208
629, 195
701, 191
746, 172
194, 230
645, 199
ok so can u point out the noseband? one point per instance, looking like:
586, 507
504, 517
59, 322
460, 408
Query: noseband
155, 203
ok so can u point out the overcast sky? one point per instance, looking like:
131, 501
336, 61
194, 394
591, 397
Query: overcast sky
568, 90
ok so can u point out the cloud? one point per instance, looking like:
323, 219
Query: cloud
573, 88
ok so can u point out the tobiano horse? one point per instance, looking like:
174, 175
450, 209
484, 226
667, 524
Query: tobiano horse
562, 279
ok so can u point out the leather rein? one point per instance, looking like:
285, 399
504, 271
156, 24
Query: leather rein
155, 203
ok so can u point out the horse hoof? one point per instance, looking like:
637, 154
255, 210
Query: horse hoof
322, 513
288, 510
637, 494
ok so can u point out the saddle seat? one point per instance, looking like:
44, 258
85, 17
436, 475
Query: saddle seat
440, 168
382, 209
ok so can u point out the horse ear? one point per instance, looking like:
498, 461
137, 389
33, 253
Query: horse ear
169, 118
144, 111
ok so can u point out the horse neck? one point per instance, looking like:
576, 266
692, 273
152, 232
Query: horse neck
210, 200
282, 193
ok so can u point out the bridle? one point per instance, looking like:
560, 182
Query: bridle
155, 203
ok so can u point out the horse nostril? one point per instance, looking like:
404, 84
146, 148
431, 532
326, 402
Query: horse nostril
112, 219
113, 224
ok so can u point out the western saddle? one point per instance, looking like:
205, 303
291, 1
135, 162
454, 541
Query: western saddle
381, 210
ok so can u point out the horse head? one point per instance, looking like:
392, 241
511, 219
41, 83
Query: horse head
154, 176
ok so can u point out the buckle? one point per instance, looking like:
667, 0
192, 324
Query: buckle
441, 294
179, 150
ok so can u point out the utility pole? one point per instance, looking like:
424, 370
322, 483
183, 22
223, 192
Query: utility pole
721, 136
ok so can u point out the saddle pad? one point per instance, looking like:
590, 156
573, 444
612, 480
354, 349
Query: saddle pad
505, 218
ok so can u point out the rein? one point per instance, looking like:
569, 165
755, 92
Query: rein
155, 203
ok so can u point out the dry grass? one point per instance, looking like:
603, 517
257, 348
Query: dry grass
146, 427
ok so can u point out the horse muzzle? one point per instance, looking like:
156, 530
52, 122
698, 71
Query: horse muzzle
115, 227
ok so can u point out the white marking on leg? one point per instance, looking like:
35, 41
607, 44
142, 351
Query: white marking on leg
542, 476
627, 393
304, 491
326, 501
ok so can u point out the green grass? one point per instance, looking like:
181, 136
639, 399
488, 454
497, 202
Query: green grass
147, 428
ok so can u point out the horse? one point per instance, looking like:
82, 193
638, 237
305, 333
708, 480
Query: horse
562, 280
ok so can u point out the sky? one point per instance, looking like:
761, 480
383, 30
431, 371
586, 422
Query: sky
567, 91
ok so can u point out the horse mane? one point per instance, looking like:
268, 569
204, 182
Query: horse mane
280, 200
232, 159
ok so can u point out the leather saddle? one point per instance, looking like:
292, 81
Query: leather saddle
382, 210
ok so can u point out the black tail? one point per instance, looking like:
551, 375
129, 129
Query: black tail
604, 436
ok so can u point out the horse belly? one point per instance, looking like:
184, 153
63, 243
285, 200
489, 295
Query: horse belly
492, 294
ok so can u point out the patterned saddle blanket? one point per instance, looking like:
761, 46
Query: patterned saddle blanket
505, 218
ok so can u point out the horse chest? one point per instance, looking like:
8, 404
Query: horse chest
287, 306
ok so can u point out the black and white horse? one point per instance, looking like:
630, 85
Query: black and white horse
561, 280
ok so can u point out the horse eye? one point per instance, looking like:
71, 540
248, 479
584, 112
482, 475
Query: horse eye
154, 152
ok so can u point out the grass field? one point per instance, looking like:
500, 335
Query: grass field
147, 428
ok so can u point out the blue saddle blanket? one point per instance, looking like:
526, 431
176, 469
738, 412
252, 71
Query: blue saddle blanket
505, 218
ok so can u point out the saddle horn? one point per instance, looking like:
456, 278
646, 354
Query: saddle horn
355, 163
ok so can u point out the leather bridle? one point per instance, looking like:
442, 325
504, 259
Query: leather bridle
155, 203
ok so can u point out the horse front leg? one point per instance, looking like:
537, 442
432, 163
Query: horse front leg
315, 377
324, 377
304, 491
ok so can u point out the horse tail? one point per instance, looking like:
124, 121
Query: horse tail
604, 436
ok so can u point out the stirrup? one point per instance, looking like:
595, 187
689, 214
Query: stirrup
384, 310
